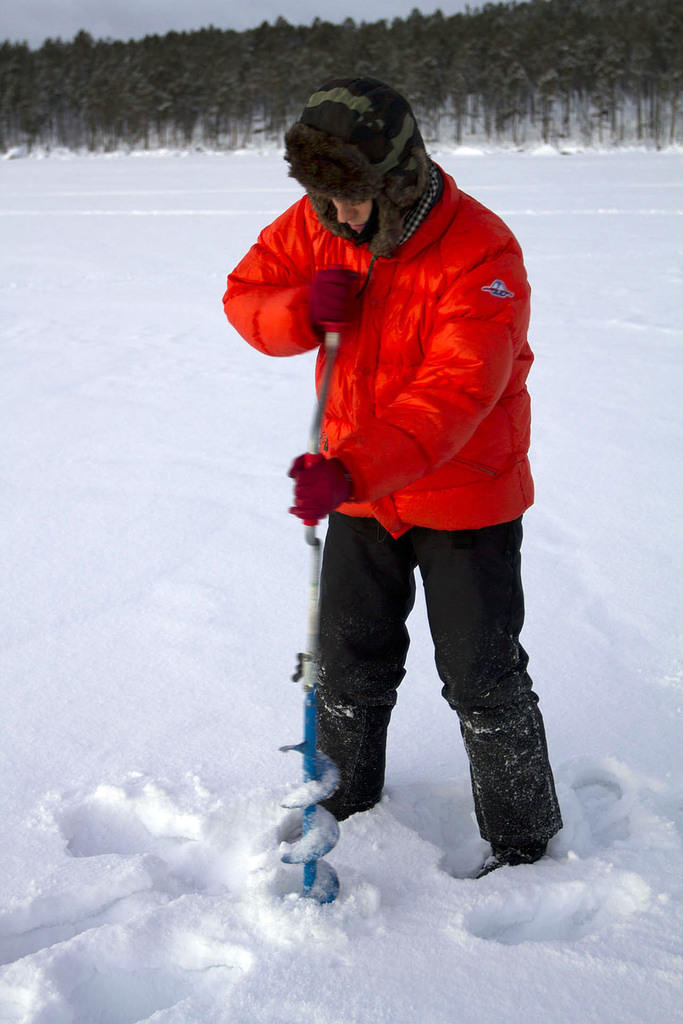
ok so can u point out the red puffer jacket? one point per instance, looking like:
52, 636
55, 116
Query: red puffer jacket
428, 407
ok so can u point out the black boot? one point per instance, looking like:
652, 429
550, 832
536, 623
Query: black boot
514, 792
354, 737
508, 857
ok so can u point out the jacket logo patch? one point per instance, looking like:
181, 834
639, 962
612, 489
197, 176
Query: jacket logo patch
499, 289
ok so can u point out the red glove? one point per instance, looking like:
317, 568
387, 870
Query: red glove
332, 302
320, 485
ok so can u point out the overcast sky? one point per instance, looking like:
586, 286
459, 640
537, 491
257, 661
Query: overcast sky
33, 21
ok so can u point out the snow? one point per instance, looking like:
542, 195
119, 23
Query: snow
155, 598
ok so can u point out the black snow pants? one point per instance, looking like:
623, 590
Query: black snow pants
475, 605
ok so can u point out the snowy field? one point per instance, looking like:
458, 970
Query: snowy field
154, 599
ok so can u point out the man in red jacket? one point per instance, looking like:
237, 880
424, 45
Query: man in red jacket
424, 445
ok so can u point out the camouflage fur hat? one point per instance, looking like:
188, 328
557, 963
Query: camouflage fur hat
358, 139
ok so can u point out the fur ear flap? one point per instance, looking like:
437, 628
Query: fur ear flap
394, 202
396, 187
389, 228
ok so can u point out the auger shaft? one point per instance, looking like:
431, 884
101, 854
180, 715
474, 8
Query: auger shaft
320, 830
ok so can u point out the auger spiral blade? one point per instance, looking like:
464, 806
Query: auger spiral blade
319, 839
319, 830
323, 784
323, 884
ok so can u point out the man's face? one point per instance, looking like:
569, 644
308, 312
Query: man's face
355, 214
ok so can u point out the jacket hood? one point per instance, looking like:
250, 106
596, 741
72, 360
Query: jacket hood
358, 139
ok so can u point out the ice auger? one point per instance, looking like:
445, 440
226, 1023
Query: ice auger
319, 828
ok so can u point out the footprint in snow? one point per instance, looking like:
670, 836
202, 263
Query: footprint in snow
598, 800
574, 892
126, 975
557, 911
443, 815
583, 892
131, 849
132, 920
197, 843
137, 817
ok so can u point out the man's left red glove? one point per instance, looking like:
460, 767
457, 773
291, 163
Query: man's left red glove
320, 485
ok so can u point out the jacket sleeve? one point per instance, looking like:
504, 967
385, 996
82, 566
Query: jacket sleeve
468, 364
267, 295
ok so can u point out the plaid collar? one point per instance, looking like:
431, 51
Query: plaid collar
429, 197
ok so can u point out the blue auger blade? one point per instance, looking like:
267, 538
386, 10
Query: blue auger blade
321, 882
319, 830
320, 836
314, 789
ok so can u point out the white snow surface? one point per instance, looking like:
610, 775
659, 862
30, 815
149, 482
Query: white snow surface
155, 596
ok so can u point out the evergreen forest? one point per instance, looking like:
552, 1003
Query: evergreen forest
592, 72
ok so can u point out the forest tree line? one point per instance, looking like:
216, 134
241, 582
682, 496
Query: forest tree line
602, 72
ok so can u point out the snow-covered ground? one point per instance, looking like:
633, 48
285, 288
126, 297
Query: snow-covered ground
154, 598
